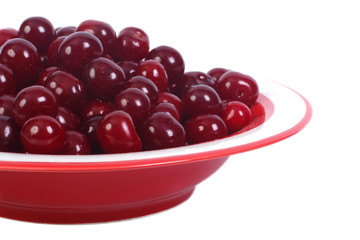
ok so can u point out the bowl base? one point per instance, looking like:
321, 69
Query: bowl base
77, 216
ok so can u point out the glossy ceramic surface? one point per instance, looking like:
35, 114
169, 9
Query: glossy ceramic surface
98, 188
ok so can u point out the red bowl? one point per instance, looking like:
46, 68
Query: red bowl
99, 188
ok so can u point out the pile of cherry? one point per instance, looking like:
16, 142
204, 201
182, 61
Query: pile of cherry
86, 89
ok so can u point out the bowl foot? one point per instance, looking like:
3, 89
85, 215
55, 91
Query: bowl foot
92, 215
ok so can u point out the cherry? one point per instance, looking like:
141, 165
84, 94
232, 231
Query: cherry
201, 99
95, 107
9, 135
171, 59
89, 128
77, 50
43, 135
204, 128
154, 71
161, 131
115, 124
64, 31
7, 81
103, 78
166, 108
32, 101
45, 74
39, 31
216, 73
22, 57
102, 30
129, 68
190, 79
236, 116
6, 105
145, 85
76, 144
239, 87
68, 118
166, 97
52, 51
135, 102
68, 90
132, 44
6, 34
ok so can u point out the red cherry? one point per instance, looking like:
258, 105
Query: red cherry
6, 105
236, 116
115, 124
216, 73
9, 135
7, 81
64, 31
6, 34
89, 128
166, 97
204, 128
95, 107
76, 144
129, 68
43, 135
154, 71
52, 51
68, 118
145, 85
166, 108
45, 74
191, 79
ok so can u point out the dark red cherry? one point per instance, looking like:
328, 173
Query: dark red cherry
39, 31
116, 133
89, 128
201, 99
68, 90
204, 128
190, 79
52, 51
235, 86
132, 44
43, 135
6, 105
95, 107
76, 144
7, 81
166, 108
32, 101
9, 135
45, 74
154, 71
22, 57
6, 34
103, 79
161, 131
68, 118
236, 116
129, 68
145, 85
77, 50
102, 30
135, 102
64, 31
171, 59
166, 97
216, 73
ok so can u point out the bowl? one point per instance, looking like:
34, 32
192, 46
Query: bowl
108, 187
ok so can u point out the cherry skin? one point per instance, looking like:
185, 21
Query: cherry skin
135, 102
22, 57
201, 99
43, 135
204, 128
111, 127
162, 131
190, 79
9, 135
76, 144
145, 85
32, 101
64, 31
166, 108
132, 44
236, 116
216, 73
235, 86
77, 50
68, 118
166, 97
6, 34
39, 31
103, 79
89, 128
6, 105
67, 89
102, 30
154, 71
171, 59
95, 107
7, 81
52, 51
45, 74
129, 68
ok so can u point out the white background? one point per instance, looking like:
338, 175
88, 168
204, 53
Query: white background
306, 187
